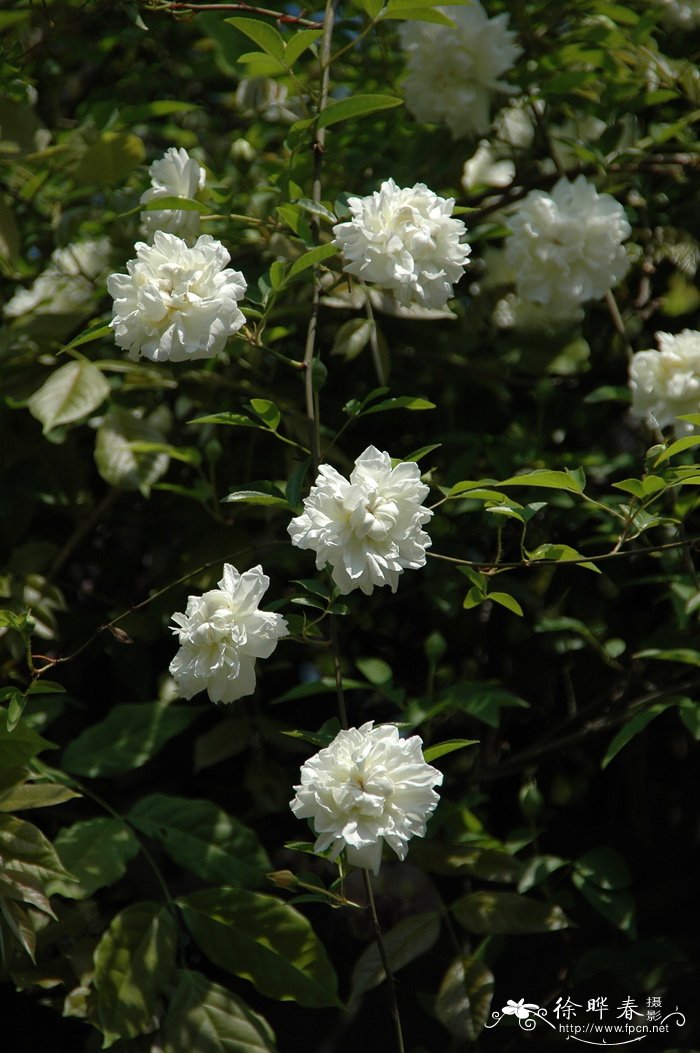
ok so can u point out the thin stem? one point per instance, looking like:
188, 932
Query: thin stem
618, 322
374, 340
338, 673
266, 12
395, 1015
310, 390
83, 528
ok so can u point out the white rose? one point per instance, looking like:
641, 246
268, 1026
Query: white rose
221, 634
452, 73
175, 174
368, 528
404, 240
665, 384
176, 303
67, 286
368, 787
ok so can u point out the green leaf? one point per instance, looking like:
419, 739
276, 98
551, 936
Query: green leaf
538, 870
299, 43
262, 940
404, 943
633, 728
28, 863
134, 962
418, 13
261, 33
562, 554
237, 420
686, 443
95, 852
264, 494
34, 795
356, 106
676, 654
110, 158
689, 712
504, 599
464, 998
71, 393
20, 745
440, 749
128, 737
604, 867
130, 453
571, 482
507, 913
370, 7
203, 839
375, 670
15, 709
616, 906
312, 258
402, 402
204, 1017
94, 332
267, 411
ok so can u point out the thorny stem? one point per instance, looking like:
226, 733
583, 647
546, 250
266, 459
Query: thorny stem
311, 394
395, 1015
266, 12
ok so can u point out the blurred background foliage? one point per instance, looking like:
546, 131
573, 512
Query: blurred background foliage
562, 860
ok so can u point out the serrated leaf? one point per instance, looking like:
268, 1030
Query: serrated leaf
95, 852
356, 106
464, 998
403, 944
70, 394
134, 962
205, 1017
440, 749
261, 33
507, 913
263, 940
128, 737
203, 838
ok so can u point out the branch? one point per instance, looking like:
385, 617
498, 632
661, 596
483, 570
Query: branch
265, 12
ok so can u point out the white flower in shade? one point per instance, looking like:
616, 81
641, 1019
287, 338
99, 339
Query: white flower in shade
485, 169
368, 528
176, 302
221, 634
175, 174
566, 247
404, 240
366, 787
68, 284
666, 383
681, 14
452, 73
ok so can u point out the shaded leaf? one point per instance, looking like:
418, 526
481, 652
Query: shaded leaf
507, 912
403, 944
205, 1017
110, 158
262, 940
633, 728
464, 998
95, 852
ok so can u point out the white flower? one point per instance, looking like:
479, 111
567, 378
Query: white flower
681, 15
666, 383
453, 72
67, 286
176, 302
368, 786
485, 169
566, 247
221, 634
175, 174
404, 240
368, 528
521, 1008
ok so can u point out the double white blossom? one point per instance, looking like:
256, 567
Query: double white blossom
176, 302
368, 528
221, 634
67, 286
175, 174
404, 240
367, 787
666, 383
452, 73
566, 247
681, 14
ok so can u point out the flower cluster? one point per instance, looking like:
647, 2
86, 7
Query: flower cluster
367, 787
368, 528
665, 384
67, 286
175, 174
452, 72
221, 634
566, 247
404, 240
176, 302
